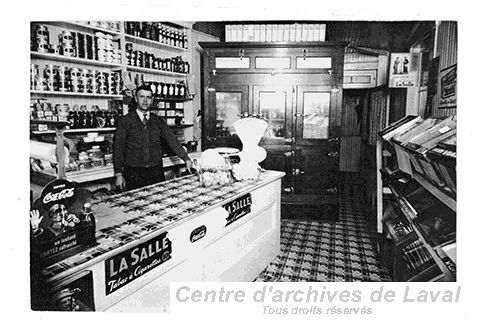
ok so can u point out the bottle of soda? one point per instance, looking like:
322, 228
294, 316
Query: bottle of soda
87, 225
88, 120
75, 120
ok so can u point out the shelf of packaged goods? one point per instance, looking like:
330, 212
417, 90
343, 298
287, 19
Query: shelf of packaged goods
398, 238
437, 192
449, 276
77, 26
410, 214
75, 60
48, 132
70, 94
152, 43
105, 172
154, 71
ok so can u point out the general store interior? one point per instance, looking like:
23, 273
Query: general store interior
362, 199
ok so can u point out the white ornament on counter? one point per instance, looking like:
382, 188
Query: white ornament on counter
250, 131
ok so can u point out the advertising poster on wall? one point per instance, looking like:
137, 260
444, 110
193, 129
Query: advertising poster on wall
401, 71
448, 87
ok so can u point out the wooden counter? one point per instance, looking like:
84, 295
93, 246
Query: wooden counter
176, 230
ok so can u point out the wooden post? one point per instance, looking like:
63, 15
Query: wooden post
379, 186
60, 154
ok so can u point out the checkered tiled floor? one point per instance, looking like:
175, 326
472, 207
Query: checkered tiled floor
327, 251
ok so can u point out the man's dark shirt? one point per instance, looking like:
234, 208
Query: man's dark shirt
136, 145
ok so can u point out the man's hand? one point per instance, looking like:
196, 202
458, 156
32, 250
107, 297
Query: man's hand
120, 182
188, 163
35, 220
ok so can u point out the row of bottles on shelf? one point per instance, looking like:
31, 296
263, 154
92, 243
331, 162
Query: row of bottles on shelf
93, 119
158, 32
98, 46
145, 59
163, 90
78, 116
57, 78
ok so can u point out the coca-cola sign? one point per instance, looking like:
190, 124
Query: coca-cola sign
58, 192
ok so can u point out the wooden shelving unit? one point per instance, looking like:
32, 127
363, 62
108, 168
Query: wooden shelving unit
120, 38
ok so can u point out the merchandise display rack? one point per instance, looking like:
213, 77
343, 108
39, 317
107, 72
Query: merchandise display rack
437, 266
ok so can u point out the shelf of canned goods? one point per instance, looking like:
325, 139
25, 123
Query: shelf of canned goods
80, 71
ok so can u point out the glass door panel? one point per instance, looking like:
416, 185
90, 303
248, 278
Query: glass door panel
316, 112
228, 107
274, 105
227, 102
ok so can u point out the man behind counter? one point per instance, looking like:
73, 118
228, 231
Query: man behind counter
137, 148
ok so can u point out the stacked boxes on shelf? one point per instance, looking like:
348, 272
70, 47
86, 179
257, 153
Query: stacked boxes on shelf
275, 32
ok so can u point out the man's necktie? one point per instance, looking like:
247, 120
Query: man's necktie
145, 119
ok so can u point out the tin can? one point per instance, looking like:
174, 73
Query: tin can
42, 38
43, 47
102, 83
94, 81
66, 38
63, 80
49, 76
75, 79
68, 51
34, 77
86, 81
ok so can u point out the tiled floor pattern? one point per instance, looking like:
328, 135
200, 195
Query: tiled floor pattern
327, 251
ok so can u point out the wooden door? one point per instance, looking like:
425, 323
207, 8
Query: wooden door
316, 142
350, 150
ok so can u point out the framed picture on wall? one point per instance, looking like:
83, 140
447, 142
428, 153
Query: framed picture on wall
448, 87
402, 70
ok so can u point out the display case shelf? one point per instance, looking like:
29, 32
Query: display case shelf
75, 60
166, 99
48, 132
154, 71
152, 43
70, 94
